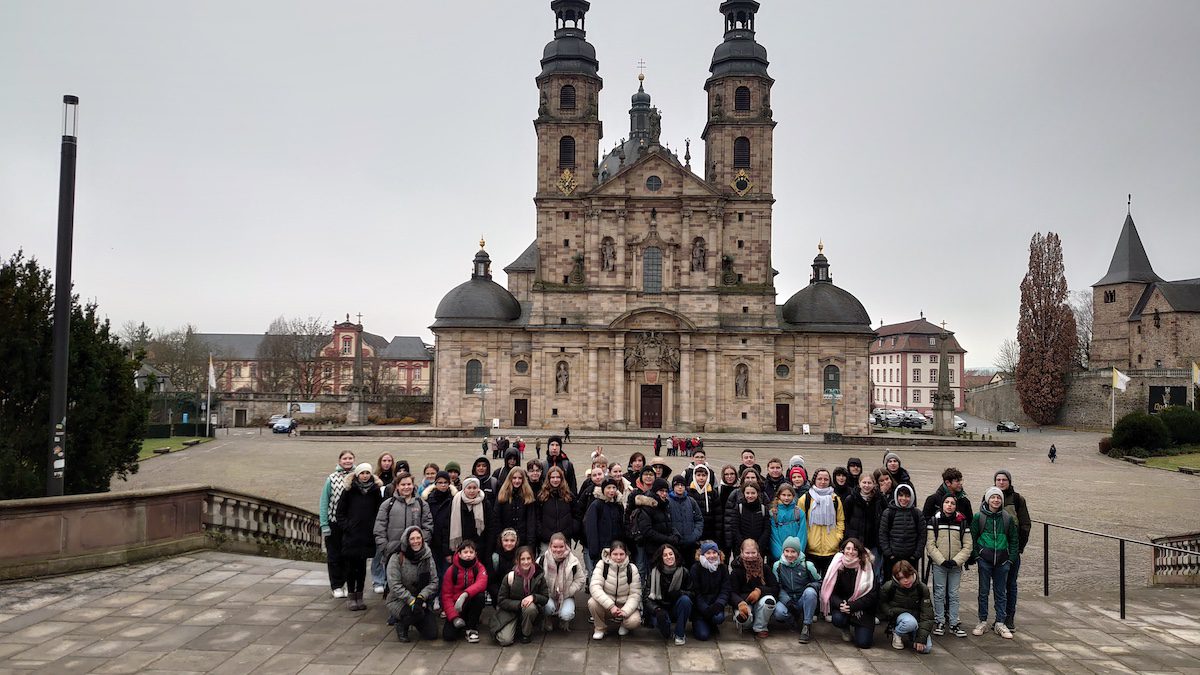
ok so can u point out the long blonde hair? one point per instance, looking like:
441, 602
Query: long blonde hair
504, 494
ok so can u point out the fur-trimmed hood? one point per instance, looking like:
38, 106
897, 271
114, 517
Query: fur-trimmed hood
348, 481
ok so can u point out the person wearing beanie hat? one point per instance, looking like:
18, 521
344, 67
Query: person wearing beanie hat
995, 544
902, 530
710, 590
798, 579
687, 520
361, 496
650, 523
797, 474
440, 497
556, 457
462, 591
707, 498
603, 522
1016, 507
891, 464
454, 469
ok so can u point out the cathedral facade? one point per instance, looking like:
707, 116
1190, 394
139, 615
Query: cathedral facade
647, 299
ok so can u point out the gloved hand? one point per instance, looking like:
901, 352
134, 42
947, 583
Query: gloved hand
458, 604
460, 623
949, 564
743, 611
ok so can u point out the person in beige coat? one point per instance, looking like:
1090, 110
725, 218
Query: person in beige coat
948, 546
615, 592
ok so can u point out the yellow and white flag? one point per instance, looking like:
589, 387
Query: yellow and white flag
1196, 374
212, 374
1120, 380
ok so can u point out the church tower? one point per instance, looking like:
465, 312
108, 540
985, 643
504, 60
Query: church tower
1114, 298
739, 135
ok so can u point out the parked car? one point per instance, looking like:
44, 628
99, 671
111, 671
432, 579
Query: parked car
1006, 425
913, 422
959, 423
274, 418
283, 426
889, 419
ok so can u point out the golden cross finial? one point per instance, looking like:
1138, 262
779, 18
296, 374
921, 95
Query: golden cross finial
641, 66
482, 243
821, 246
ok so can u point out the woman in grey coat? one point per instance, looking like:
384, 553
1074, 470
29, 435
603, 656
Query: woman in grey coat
413, 582
404, 509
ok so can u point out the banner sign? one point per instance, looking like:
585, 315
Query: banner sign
1161, 397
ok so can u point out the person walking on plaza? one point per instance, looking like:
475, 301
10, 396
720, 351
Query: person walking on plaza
904, 604
615, 592
335, 484
521, 601
948, 547
1053, 453
462, 592
995, 544
413, 586
657, 445
1015, 506
710, 591
565, 576
849, 594
567, 434
356, 512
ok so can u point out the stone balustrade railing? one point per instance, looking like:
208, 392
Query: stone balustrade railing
56, 535
1173, 567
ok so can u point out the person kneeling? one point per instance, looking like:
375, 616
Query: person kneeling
463, 594
522, 598
798, 583
564, 578
710, 589
668, 594
848, 593
754, 589
413, 582
615, 592
904, 604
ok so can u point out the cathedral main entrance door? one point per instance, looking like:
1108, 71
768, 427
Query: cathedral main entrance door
652, 401
521, 412
783, 417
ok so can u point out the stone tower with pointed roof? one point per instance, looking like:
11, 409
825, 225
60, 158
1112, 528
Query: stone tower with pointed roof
649, 291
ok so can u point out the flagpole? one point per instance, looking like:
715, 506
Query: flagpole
208, 402
1112, 402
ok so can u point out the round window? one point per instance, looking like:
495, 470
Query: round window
782, 371
521, 367
654, 183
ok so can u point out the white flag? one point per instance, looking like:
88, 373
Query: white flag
212, 374
1120, 380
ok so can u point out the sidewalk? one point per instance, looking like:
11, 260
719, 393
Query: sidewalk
221, 613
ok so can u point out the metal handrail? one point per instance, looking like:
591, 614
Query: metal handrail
1046, 553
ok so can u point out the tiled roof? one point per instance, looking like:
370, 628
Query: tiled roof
912, 336
407, 348
1129, 261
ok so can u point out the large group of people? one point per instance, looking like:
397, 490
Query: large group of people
707, 546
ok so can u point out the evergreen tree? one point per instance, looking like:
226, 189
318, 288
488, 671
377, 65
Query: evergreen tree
1046, 332
106, 418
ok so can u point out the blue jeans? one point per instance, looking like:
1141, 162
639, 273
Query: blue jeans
995, 576
1010, 599
945, 581
862, 635
704, 627
806, 603
566, 612
760, 613
378, 569
678, 615
906, 626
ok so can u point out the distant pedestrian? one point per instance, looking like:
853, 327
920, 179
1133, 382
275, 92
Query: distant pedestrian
1053, 453
567, 434
537, 446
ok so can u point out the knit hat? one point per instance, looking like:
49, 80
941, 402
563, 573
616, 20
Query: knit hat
677, 479
708, 545
453, 467
888, 454
659, 484
853, 461
992, 491
442, 474
796, 460
365, 466
793, 542
554, 439
609, 481
797, 470
402, 466
1006, 474
469, 480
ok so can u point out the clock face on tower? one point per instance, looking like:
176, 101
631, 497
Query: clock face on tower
567, 182
741, 183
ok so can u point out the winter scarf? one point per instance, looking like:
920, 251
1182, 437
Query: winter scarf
365, 486
823, 510
337, 485
710, 566
863, 582
526, 578
754, 567
558, 574
476, 506
674, 573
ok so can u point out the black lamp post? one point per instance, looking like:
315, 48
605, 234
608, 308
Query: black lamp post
62, 299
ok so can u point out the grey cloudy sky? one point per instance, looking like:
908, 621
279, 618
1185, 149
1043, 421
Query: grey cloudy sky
242, 160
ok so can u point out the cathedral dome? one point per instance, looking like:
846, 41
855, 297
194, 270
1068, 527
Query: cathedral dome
570, 52
739, 54
825, 306
479, 300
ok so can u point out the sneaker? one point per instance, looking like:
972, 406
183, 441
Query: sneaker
402, 633
845, 635
958, 631
472, 636
591, 619
1003, 631
379, 589
981, 628
805, 634
1011, 627
622, 631
598, 635
762, 634
564, 625
339, 592
897, 641
680, 640
939, 628
525, 639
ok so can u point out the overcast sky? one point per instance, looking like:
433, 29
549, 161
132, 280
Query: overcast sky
243, 160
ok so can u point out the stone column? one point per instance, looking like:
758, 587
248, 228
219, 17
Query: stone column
687, 277
593, 414
686, 416
712, 405
618, 382
767, 398
623, 272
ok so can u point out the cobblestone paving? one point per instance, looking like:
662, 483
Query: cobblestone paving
222, 613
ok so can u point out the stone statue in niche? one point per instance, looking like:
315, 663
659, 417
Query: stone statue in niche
608, 255
544, 105
699, 256
766, 107
716, 107
592, 108
562, 378
741, 381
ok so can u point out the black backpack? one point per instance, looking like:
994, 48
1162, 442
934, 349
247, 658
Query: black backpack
628, 572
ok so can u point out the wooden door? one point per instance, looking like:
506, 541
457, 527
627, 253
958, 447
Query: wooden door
783, 417
239, 417
652, 402
521, 412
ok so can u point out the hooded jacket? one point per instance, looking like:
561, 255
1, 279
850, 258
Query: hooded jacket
895, 600
933, 503
793, 578
461, 578
510, 455
949, 538
563, 462
788, 521
621, 586
709, 501
486, 483
747, 521
900, 477
1016, 506
710, 590
652, 522
902, 531
686, 518
603, 523
395, 516
862, 518
356, 512
411, 575
995, 538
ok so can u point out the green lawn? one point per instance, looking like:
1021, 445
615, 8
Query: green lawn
1175, 461
175, 443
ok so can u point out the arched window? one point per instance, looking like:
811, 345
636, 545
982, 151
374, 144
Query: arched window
566, 152
566, 97
741, 153
652, 270
833, 378
741, 99
474, 375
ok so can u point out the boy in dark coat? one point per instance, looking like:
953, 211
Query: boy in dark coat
902, 530
905, 607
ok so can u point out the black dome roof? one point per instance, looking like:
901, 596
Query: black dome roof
826, 304
739, 55
478, 298
569, 52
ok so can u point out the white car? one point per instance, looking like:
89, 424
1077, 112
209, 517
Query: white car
959, 423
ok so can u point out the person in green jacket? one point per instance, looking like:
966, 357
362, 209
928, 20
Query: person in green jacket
995, 543
904, 604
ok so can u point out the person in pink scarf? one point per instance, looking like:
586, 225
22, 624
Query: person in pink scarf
848, 593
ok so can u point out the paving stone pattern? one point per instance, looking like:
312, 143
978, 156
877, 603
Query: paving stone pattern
214, 612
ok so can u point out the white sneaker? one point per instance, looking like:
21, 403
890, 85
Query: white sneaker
379, 589
1003, 631
897, 641
598, 635
472, 636
339, 592
980, 629
680, 641
622, 631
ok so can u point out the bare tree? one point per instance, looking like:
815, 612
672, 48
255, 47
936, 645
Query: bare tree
289, 356
275, 358
1008, 357
1081, 306
135, 336
182, 356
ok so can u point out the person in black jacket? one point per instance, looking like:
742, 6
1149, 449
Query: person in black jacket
440, 497
753, 589
863, 510
556, 457
556, 513
516, 507
952, 484
902, 531
849, 594
512, 459
891, 464
651, 524
603, 523
707, 498
747, 518
356, 510
482, 469
710, 591
1016, 506
667, 593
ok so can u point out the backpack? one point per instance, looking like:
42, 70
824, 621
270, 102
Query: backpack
632, 529
837, 506
628, 572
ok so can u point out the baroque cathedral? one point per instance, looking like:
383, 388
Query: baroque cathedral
647, 299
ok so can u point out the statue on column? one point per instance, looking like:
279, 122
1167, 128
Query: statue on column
608, 255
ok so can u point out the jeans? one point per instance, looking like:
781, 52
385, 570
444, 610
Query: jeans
760, 613
945, 581
378, 569
906, 626
704, 627
566, 612
678, 615
1010, 599
995, 576
862, 634
788, 607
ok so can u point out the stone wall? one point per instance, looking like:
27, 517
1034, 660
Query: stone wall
259, 407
